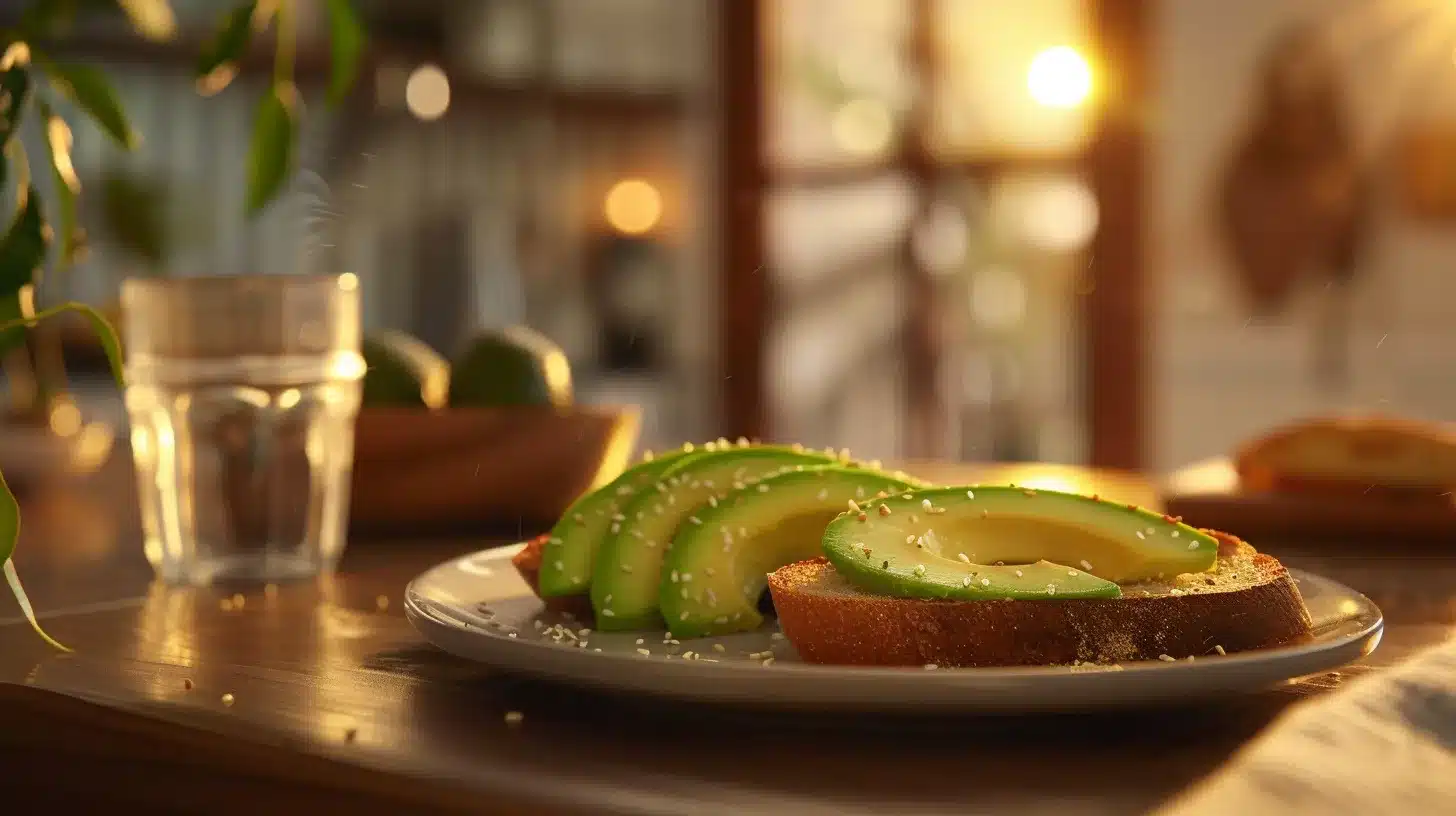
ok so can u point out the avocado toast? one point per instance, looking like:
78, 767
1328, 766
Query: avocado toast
995, 576
875, 568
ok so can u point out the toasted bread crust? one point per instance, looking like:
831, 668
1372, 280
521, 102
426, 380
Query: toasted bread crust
528, 563
861, 629
1355, 457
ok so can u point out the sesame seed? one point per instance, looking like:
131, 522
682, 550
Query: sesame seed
1086, 565
925, 503
606, 600
687, 576
560, 566
853, 506
884, 509
1166, 659
682, 616
985, 582
930, 666
1018, 573
227, 699
1190, 658
1072, 573
963, 557
970, 494
768, 661
1140, 534
966, 581
909, 539
1193, 545
639, 641
920, 569
712, 502
607, 613
514, 718
695, 520
1150, 531
763, 488
579, 518
907, 496
683, 592
673, 576
627, 568
644, 652
1219, 649
859, 491
1174, 534
1051, 589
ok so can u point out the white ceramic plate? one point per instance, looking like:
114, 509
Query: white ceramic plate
479, 608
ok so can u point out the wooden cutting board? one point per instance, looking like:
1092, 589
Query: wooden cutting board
1207, 494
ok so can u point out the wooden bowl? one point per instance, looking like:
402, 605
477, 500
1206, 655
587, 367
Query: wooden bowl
416, 469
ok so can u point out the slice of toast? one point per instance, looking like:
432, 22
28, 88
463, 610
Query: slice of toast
1369, 457
1248, 601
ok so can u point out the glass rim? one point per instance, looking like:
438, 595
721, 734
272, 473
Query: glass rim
345, 281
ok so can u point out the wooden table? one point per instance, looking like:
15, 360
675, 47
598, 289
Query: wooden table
336, 703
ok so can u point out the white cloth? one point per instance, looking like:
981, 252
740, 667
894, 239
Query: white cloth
1385, 744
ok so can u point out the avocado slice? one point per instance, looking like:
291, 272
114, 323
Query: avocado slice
717, 570
628, 568
402, 370
512, 366
982, 543
571, 548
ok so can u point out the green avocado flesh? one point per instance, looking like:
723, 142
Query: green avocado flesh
566, 560
717, 570
983, 543
625, 578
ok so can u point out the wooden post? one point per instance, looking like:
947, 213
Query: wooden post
744, 295
1115, 314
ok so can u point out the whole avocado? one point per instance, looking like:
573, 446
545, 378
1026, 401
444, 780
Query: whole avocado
403, 371
514, 366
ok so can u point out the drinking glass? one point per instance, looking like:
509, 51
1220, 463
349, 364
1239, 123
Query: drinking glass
242, 393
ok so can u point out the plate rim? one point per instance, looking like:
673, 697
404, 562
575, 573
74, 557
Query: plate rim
1319, 656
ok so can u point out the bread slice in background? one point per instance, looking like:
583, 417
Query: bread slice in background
1248, 601
1371, 457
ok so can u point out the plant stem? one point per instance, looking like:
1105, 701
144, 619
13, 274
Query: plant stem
283, 56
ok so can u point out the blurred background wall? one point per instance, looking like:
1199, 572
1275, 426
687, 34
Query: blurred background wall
917, 228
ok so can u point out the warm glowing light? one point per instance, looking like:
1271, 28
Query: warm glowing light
863, 126
427, 92
1060, 216
633, 206
1059, 78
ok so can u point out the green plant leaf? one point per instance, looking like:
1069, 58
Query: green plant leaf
13, 579
270, 157
10, 311
23, 248
347, 36
133, 213
14, 89
218, 62
153, 19
110, 343
89, 88
67, 186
